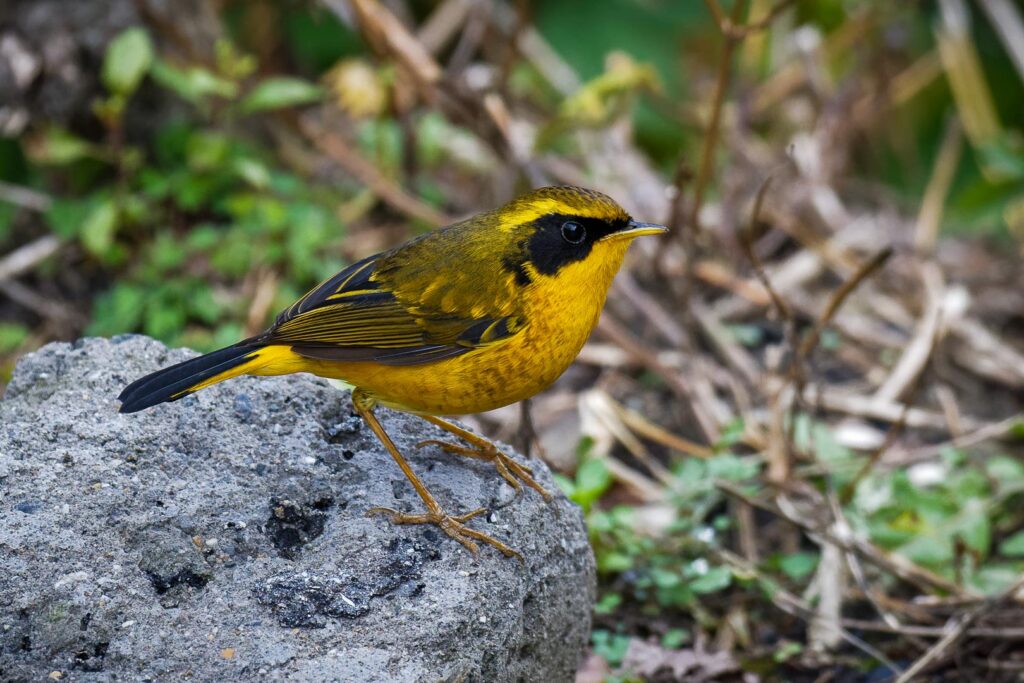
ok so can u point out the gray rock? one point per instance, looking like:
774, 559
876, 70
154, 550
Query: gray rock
223, 537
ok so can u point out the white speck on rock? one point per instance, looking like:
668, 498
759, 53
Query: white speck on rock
67, 579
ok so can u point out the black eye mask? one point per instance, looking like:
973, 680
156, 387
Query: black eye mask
562, 239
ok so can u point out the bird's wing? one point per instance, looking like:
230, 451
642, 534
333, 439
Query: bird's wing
358, 316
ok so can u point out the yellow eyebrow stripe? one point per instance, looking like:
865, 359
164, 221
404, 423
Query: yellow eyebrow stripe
525, 213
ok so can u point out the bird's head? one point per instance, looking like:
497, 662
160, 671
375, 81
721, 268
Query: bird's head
568, 232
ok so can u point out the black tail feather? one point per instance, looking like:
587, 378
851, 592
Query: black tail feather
168, 384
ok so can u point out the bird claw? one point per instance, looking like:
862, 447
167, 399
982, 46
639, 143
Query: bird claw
511, 471
453, 525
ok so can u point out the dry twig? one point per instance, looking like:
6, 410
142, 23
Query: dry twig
701, 411
27, 257
893, 564
956, 630
794, 606
367, 173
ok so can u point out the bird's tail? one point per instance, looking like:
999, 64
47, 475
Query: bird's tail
188, 377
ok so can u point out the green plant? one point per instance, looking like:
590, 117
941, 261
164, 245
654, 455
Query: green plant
195, 211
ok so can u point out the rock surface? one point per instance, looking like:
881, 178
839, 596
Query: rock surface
223, 537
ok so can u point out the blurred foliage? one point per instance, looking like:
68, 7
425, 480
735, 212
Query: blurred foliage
195, 208
959, 519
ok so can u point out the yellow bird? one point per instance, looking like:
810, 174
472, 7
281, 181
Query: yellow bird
468, 318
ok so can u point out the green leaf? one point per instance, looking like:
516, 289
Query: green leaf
786, 651
830, 340
798, 565
128, 59
713, 580
164, 319
747, 335
826, 448
611, 646
59, 147
166, 253
207, 150
732, 468
202, 303
109, 110
675, 638
195, 191
974, 526
614, 562
253, 172
993, 579
732, 434
1013, 546
65, 216
275, 93
592, 480
117, 311
928, 550
608, 603
1003, 157
98, 229
193, 84
665, 578
12, 335
567, 485
1007, 473
226, 334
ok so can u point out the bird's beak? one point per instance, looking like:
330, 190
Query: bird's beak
635, 229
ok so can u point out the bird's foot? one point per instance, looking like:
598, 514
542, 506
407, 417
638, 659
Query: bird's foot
453, 525
510, 470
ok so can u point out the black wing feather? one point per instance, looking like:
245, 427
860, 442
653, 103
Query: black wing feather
350, 317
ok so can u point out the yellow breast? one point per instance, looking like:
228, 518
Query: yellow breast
560, 312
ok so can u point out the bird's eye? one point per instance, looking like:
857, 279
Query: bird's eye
573, 232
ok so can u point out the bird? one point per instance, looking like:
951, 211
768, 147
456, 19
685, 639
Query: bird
464, 319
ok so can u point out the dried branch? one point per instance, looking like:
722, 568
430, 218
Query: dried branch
27, 257
368, 174
1009, 24
794, 606
721, 85
747, 243
930, 214
25, 197
839, 296
977, 435
56, 311
893, 564
956, 630
729, 27
702, 414
442, 24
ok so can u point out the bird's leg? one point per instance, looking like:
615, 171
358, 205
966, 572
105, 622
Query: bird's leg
453, 525
482, 449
